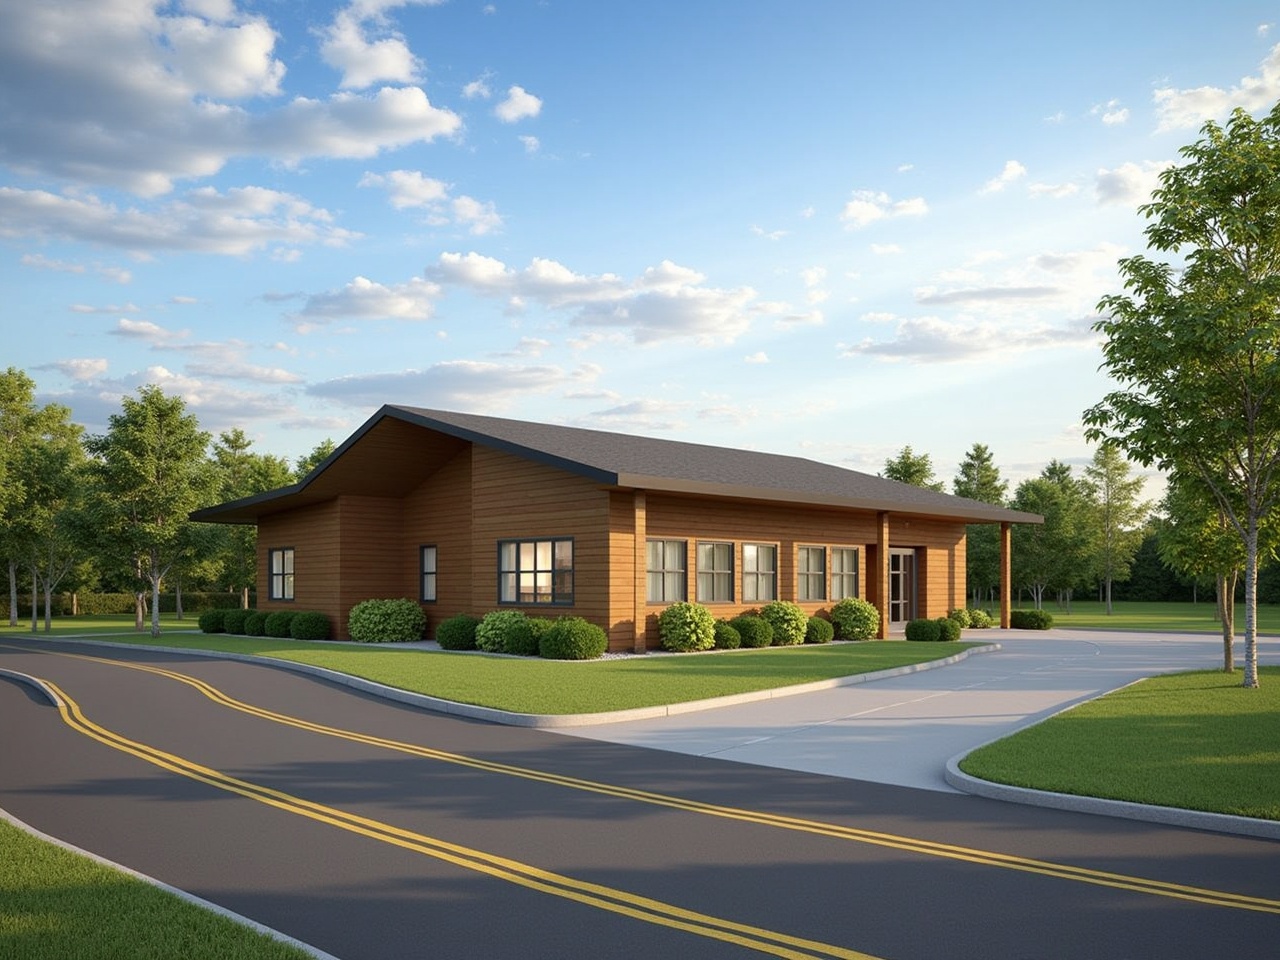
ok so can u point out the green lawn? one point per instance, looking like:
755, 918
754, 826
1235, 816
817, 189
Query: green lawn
1158, 617
57, 905
1198, 741
532, 685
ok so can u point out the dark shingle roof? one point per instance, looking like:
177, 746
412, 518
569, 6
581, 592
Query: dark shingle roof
622, 460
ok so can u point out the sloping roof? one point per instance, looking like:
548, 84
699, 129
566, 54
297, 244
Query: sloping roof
616, 460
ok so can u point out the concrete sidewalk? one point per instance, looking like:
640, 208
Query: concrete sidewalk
903, 730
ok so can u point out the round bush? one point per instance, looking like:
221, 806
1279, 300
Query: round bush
686, 626
491, 634
277, 623
818, 630
1030, 619
572, 638
457, 633
961, 616
525, 639
727, 638
948, 630
211, 621
789, 622
255, 624
385, 621
754, 631
980, 619
855, 619
309, 625
233, 621
924, 631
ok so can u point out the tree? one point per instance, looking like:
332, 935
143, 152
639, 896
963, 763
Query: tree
979, 479
1058, 553
908, 467
242, 473
323, 450
1120, 514
17, 426
150, 473
1195, 351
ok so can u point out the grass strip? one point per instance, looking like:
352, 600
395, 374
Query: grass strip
1158, 617
1198, 741
58, 905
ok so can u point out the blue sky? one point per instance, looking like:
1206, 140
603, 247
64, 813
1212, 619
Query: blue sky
815, 228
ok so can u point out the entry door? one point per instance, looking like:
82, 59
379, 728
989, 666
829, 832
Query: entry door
902, 585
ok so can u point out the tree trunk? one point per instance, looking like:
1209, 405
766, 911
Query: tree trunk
155, 606
139, 610
1226, 614
244, 598
35, 600
177, 598
13, 593
75, 604
1108, 596
1250, 603
48, 603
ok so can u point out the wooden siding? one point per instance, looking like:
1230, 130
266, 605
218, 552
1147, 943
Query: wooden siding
372, 564
439, 513
313, 533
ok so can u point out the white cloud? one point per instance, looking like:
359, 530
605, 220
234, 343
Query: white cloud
364, 62
1181, 109
868, 206
1111, 112
234, 223
885, 249
813, 318
452, 384
183, 301
906, 167
477, 89
108, 308
363, 299
1056, 191
83, 370
41, 262
768, 234
152, 333
758, 357
929, 339
480, 217
531, 144
638, 415
1129, 183
1012, 171
1264, 29
930, 296
519, 105
408, 188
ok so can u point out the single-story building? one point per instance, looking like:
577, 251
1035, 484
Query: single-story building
469, 514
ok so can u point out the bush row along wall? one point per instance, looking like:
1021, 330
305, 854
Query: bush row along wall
101, 604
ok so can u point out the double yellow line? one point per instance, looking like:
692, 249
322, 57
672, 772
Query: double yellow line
501, 868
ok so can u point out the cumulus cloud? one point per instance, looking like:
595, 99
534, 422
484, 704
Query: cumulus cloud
519, 104
637, 415
363, 299
1012, 172
1129, 183
410, 189
234, 223
1111, 112
758, 357
364, 61
451, 384
137, 95
1179, 109
83, 370
930, 339
868, 206
531, 144
929, 296
477, 89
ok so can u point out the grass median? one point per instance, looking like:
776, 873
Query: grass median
58, 905
532, 685
1197, 741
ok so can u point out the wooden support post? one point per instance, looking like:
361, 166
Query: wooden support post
1006, 574
882, 576
641, 565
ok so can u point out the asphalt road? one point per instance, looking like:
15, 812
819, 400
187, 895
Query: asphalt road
465, 839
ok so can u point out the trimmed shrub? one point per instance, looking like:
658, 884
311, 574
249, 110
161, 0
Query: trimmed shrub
727, 638
924, 631
789, 622
525, 639
980, 619
961, 616
573, 638
491, 634
384, 621
457, 633
309, 625
233, 621
948, 630
754, 631
255, 624
855, 619
818, 630
277, 623
211, 621
1030, 619
686, 626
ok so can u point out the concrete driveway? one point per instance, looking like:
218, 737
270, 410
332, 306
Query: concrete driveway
903, 730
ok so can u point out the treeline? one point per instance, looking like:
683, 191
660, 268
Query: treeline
108, 514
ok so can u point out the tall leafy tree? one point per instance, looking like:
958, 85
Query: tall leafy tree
1120, 514
913, 468
17, 432
979, 479
1195, 348
317, 456
151, 472
1057, 554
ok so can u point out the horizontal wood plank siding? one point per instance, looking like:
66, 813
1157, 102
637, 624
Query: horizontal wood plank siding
439, 513
940, 562
372, 566
313, 533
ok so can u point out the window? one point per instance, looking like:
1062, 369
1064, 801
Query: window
844, 572
427, 568
281, 562
811, 573
759, 572
535, 571
715, 572
666, 580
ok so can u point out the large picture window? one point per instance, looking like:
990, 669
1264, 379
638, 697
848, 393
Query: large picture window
844, 572
665, 578
759, 572
281, 564
811, 573
427, 568
535, 571
715, 572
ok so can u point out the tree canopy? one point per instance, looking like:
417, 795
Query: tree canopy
913, 468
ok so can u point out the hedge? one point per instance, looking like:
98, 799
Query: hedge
573, 638
727, 638
503, 631
788, 620
255, 624
309, 625
211, 621
384, 621
855, 619
819, 631
277, 623
924, 631
233, 621
103, 604
948, 630
754, 631
685, 627
1030, 619
457, 633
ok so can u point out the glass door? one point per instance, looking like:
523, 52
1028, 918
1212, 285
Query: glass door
902, 586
